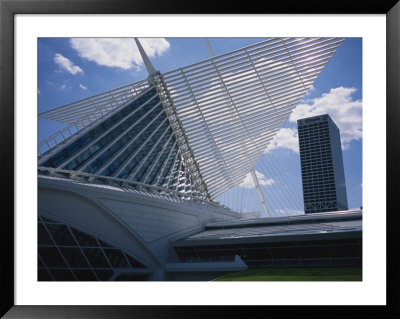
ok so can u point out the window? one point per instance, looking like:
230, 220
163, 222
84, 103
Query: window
63, 258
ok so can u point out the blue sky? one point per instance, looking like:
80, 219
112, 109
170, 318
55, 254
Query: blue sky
73, 69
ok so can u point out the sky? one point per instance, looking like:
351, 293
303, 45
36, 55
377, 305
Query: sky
77, 68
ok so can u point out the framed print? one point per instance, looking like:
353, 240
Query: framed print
147, 181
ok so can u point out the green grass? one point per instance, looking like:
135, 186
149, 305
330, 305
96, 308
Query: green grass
296, 274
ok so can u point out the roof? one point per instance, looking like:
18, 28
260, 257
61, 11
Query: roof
306, 226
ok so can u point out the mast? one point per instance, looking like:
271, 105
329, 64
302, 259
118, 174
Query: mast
146, 60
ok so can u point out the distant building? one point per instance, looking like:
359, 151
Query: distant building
324, 187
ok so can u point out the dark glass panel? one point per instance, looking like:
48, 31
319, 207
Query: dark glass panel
314, 252
103, 275
284, 244
74, 257
85, 139
116, 258
47, 220
96, 257
257, 253
62, 274
51, 257
43, 236
345, 251
286, 262
43, 275
210, 247
132, 277
228, 258
254, 245
187, 255
104, 244
184, 249
61, 234
347, 262
134, 263
228, 252
259, 263
203, 256
236, 247
284, 253
316, 262
84, 275
84, 239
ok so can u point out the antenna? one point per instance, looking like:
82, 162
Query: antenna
209, 48
146, 60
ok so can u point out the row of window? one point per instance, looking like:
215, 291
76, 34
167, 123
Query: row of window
65, 253
270, 252
136, 143
318, 179
85, 139
307, 138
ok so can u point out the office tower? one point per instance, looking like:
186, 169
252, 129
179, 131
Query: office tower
324, 187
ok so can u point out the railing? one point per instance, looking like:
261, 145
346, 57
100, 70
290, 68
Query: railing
81, 126
127, 185
77, 129
57, 138
95, 106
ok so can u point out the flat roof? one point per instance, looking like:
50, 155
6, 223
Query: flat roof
316, 226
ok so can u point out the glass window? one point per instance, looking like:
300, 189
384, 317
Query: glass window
43, 275
132, 277
47, 220
116, 258
74, 257
43, 236
104, 244
51, 257
40, 264
84, 239
284, 253
134, 263
104, 275
62, 274
61, 234
84, 275
96, 257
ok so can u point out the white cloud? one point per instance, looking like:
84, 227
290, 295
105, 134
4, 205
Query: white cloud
66, 64
83, 87
338, 103
287, 138
262, 180
344, 111
310, 90
63, 86
118, 52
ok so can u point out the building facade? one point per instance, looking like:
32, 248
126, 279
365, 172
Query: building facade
324, 186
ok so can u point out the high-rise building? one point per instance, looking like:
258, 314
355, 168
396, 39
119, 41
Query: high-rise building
324, 187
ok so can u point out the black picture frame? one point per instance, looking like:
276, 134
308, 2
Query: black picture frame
8, 10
